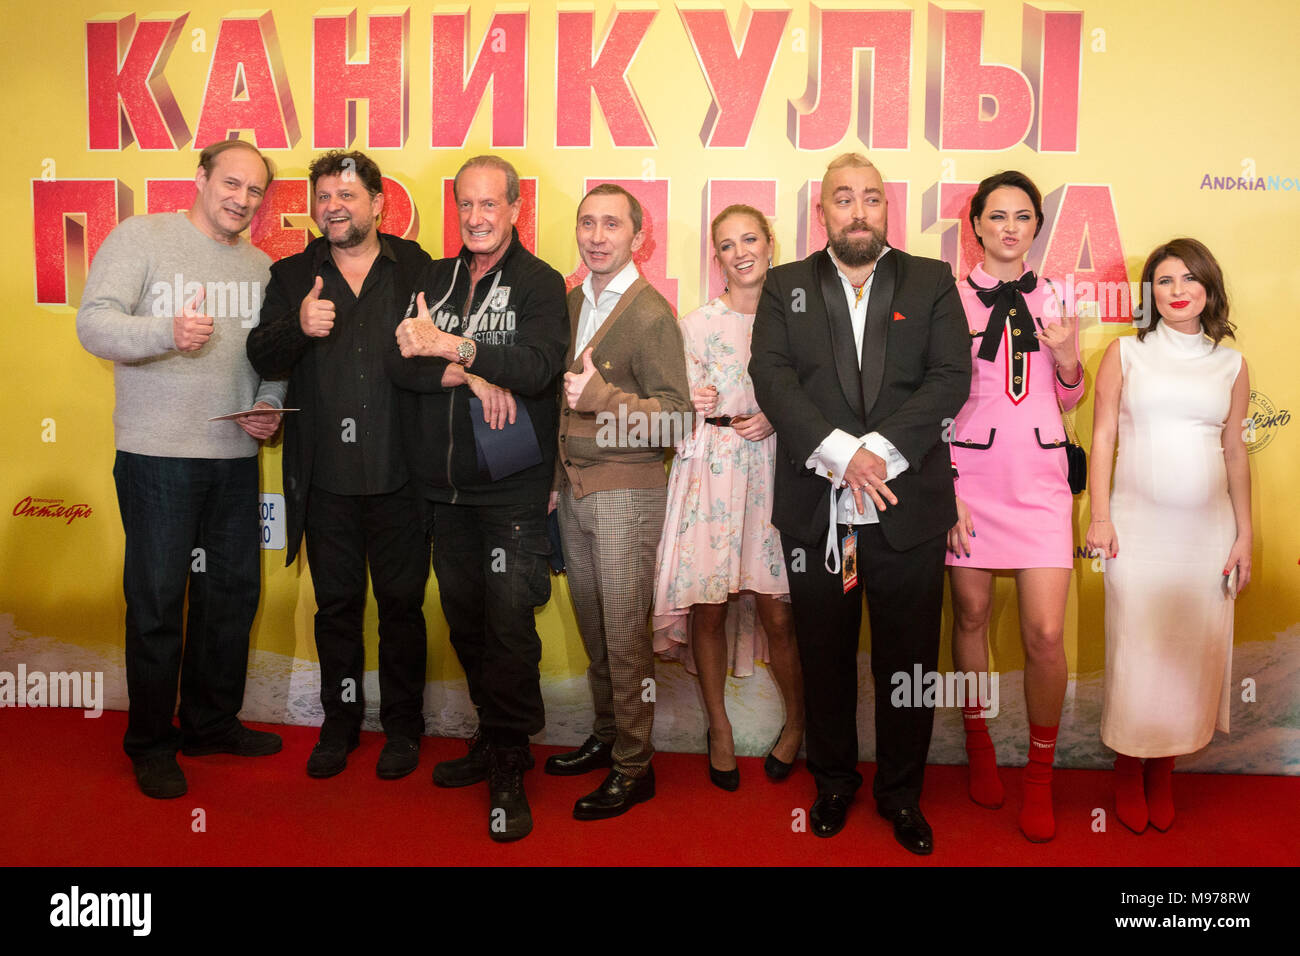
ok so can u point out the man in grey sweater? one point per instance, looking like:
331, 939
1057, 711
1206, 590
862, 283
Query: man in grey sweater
170, 301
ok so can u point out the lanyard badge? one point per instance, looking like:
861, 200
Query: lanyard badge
849, 569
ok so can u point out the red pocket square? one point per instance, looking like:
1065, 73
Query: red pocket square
899, 316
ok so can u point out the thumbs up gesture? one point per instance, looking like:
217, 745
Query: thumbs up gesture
418, 335
576, 382
191, 328
316, 315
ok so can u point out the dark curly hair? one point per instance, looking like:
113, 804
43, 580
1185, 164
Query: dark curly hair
338, 163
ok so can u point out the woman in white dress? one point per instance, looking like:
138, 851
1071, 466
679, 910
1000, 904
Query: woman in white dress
1176, 530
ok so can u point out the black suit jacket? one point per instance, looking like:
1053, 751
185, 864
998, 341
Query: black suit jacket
916, 371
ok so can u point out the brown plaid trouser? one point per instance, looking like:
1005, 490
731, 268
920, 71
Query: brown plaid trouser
610, 539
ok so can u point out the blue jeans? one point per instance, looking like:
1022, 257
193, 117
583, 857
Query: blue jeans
171, 507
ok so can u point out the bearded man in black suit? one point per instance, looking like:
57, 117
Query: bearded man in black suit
860, 353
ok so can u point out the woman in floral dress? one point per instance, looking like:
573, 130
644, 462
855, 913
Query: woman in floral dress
719, 551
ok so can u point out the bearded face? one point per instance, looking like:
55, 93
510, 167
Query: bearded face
854, 212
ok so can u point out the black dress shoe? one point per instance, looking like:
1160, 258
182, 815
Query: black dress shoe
399, 757
776, 769
910, 829
159, 776
618, 794
242, 742
829, 811
330, 756
726, 779
592, 755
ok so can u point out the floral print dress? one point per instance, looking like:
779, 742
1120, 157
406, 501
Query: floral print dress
718, 543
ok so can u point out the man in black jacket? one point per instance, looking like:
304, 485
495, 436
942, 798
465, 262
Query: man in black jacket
326, 324
860, 354
488, 342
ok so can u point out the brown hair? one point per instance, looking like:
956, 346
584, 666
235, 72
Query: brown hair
1200, 262
1012, 179
208, 158
338, 163
740, 209
489, 161
613, 189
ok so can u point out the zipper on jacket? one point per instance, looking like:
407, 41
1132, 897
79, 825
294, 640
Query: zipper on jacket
451, 442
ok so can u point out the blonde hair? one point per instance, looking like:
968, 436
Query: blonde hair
852, 160
740, 209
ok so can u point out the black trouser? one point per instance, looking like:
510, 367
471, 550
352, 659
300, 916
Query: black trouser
491, 563
904, 592
344, 532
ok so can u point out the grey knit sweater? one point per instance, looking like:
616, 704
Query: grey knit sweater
145, 270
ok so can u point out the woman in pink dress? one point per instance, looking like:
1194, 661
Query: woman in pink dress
1014, 503
1176, 529
719, 551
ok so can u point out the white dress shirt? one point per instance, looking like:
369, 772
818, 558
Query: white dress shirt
831, 458
596, 309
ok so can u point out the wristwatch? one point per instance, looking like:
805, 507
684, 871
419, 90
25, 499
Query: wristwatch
465, 351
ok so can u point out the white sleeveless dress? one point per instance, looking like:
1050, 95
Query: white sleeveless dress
1168, 619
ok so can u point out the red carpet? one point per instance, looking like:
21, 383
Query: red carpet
70, 799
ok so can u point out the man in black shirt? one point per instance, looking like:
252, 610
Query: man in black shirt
495, 319
327, 322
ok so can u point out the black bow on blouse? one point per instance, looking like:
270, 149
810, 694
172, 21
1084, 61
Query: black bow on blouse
1008, 301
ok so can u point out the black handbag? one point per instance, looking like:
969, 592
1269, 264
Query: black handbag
1076, 460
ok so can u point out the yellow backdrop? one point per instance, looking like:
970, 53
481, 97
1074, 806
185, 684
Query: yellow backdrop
1139, 122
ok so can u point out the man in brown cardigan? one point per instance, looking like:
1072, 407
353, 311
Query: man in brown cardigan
625, 398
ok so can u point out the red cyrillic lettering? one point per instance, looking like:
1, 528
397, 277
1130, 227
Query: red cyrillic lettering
247, 87
502, 59
970, 104
71, 218
736, 77
577, 76
1083, 240
882, 42
126, 93
273, 229
383, 80
945, 209
400, 218
1051, 55
168, 195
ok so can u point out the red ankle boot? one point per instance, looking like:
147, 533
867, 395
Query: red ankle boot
985, 784
1037, 822
1159, 773
1130, 796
